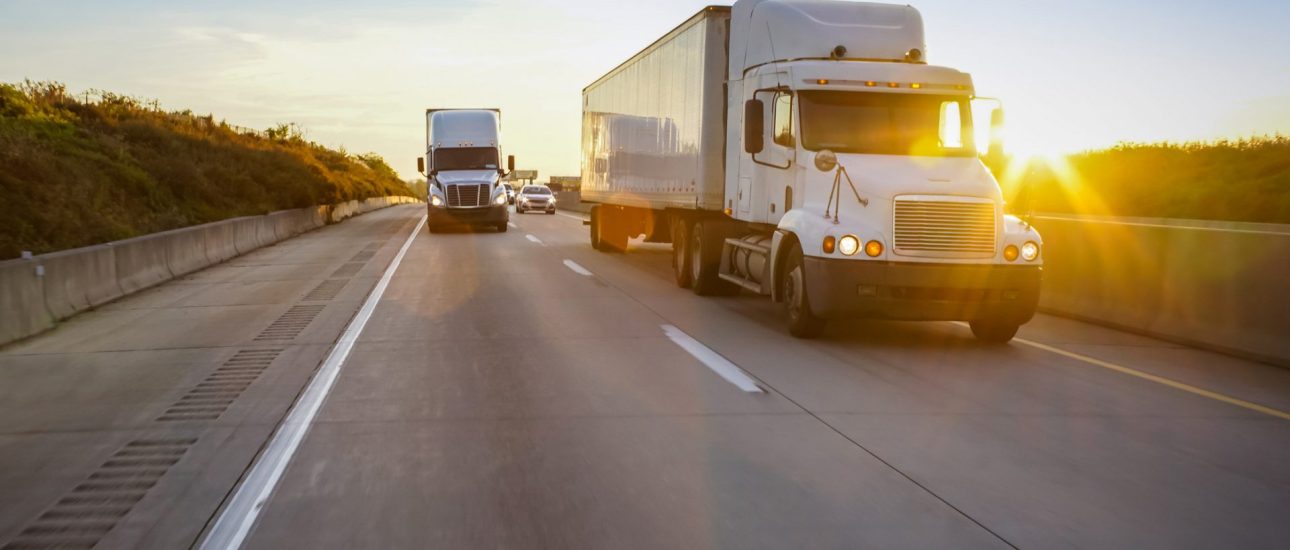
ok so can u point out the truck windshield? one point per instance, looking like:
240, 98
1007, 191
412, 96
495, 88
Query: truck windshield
886, 123
465, 158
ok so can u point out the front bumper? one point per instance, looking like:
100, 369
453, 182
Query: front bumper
544, 206
922, 292
493, 214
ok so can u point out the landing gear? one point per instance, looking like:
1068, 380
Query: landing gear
802, 322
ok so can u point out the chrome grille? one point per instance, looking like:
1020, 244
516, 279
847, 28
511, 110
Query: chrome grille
469, 194
947, 228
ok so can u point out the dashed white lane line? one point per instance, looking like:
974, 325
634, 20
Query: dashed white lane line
720, 365
512, 224
532, 238
577, 268
1152, 378
250, 497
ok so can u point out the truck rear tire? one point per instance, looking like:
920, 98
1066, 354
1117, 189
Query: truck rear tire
802, 322
705, 243
681, 252
992, 331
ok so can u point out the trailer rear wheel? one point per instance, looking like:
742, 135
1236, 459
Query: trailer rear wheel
705, 243
681, 252
802, 322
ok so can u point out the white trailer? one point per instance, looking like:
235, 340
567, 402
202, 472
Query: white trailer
463, 159
805, 150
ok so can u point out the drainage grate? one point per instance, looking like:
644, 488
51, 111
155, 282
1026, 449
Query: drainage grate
325, 290
209, 399
291, 323
363, 256
94, 507
347, 270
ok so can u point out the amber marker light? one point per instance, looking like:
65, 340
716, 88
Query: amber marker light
893, 84
1010, 253
870, 83
830, 244
873, 249
916, 85
822, 81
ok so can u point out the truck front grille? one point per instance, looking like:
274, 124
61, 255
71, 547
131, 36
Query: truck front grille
466, 195
955, 228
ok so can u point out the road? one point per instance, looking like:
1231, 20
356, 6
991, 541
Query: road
521, 390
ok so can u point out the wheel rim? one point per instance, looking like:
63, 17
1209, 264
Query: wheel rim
793, 292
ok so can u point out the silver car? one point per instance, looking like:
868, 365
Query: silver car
535, 197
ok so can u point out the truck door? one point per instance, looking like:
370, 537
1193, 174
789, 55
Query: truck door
766, 187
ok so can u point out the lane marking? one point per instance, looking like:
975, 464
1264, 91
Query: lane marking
512, 224
534, 239
250, 497
577, 268
1153, 378
571, 216
720, 365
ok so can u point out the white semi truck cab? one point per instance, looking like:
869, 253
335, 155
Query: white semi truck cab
805, 150
463, 159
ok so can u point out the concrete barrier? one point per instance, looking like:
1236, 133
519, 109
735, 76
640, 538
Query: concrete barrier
22, 301
1219, 286
571, 201
245, 234
36, 292
141, 262
79, 279
185, 250
221, 240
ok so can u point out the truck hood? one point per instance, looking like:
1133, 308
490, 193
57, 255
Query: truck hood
452, 177
883, 177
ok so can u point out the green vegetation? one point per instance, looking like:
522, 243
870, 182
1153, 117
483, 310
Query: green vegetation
1246, 180
101, 167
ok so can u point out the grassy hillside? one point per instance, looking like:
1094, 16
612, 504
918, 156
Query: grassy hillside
81, 170
1246, 180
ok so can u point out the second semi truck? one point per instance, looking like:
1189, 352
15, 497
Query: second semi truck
805, 150
463, 168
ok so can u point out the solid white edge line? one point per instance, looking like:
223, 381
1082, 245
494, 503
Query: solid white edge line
532, 238
512, 224
720, 365
237, 519
577, 268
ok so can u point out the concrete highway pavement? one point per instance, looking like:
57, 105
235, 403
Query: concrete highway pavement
522, 390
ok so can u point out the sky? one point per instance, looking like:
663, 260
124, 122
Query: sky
1072, 75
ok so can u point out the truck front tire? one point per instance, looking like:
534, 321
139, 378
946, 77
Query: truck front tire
802, 322
992, 331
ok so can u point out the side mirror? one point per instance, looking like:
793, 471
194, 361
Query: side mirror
826, 160
421, 165
996, 131
510, 163
754, 114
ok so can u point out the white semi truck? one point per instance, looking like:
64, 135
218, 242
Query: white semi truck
463, 159
805, 150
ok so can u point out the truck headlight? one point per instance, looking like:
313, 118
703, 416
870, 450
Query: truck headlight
435, 200
849, 245
1029, 251
501, 199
